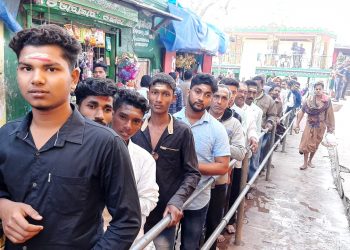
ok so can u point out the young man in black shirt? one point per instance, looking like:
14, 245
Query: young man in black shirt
171, 143
58, 170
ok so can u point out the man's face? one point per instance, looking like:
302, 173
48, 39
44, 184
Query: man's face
99, 72
241, 95
44, 77
127, 120
283, 85
297, 86
200, 97
318, 90
220, 101
233, 94
160, 96
97, 108
252, 92
275, 93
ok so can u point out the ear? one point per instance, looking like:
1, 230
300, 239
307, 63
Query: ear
75, 77
174, 98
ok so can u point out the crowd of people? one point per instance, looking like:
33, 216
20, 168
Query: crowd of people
137, 153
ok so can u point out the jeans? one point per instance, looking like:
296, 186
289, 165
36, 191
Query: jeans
192, 228
265, 146
346, 83
254, 162
216, 210
166, 239
339, 85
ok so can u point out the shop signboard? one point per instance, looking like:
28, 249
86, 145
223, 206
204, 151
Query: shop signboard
102, 10
142, 33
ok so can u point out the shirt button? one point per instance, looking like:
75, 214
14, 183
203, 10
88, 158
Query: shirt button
37, 154
34, 185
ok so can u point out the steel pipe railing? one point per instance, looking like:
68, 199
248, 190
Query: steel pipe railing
240, 198
163, 223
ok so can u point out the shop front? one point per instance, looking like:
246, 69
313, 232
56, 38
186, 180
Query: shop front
98, 24
191, 43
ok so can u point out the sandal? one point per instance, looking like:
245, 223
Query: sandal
303, 167
311, 165
230, 229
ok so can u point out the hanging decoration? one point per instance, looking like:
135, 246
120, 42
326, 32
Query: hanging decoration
185, 61
128, 67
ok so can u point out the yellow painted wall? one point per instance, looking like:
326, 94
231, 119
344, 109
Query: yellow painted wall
2, 84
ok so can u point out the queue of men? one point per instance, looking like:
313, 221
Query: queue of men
62, 165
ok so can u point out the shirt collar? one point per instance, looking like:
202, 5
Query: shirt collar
170, 125
72, 130
260, 96
205, 117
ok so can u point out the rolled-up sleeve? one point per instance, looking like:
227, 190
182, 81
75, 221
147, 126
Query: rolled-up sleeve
191, 172
118, 185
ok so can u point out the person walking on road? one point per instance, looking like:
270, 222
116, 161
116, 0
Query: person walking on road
320, 116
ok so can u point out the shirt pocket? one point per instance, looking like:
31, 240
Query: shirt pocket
68, 195
170, 155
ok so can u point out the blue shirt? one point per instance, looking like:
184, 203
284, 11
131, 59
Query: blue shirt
211, 140
178, 104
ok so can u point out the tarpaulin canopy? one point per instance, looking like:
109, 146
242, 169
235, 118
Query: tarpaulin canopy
8, 18
191, 34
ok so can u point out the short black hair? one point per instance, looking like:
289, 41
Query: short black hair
100, 64
163, 78
251, 83
94, 87
291, 83
130, 97
259, 78
230, 82
48, 34
188, 75
145, 81
205, 79
319, 83
273, 87
173, 75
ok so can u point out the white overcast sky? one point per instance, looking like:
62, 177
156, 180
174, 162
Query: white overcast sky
332, 15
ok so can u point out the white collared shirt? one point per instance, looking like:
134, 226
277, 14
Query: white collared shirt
144, 167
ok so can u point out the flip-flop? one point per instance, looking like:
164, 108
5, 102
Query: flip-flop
311, 165
230, 229
303, 167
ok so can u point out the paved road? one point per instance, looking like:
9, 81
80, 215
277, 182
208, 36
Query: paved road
297, 209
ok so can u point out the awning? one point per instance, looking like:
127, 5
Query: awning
192, 34
153, 10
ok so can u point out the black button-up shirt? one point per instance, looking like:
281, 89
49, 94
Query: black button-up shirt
177, 172
69, 181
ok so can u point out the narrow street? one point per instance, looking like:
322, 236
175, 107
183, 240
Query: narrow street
297, 209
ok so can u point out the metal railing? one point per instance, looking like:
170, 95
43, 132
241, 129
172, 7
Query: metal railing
163, 223
244, 190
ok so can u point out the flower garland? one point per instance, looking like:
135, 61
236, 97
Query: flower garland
185, 61
128, 67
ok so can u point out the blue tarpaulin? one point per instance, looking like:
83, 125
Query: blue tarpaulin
191, 34
8, 18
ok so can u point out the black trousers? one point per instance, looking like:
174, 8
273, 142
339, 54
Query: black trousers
235, 190
216, 210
